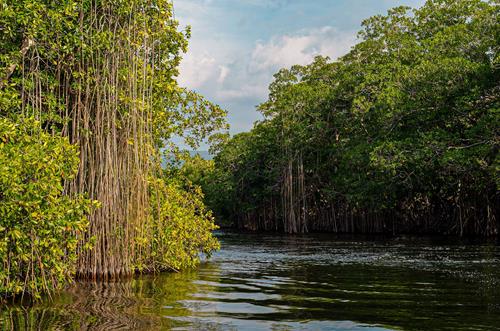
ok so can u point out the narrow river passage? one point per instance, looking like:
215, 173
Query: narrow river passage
271, 282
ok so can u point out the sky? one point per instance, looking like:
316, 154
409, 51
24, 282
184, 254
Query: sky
237, 45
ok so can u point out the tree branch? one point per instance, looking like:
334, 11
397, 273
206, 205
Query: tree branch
27, 43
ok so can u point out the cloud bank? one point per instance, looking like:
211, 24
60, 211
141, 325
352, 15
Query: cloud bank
239, 78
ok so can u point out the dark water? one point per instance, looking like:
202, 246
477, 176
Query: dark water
262, 282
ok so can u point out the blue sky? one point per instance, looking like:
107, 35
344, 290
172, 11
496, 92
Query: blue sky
237, 45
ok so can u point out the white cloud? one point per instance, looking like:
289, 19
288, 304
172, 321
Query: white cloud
252, 90
223, 72
226, 72
196, 70
300, 48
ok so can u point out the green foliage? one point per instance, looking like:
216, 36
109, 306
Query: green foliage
64, 35
182, 226
400, 133
39, 225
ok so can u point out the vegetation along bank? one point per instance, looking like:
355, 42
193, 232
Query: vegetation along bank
88, 100
399, 135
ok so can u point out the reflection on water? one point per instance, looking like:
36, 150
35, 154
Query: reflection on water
263, 282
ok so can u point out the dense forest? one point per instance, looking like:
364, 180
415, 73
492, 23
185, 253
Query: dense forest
88, 103
401, 135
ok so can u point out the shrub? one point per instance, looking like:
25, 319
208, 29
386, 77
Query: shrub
181, 229
39, 224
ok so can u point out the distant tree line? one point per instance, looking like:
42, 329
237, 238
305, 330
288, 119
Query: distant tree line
399, 135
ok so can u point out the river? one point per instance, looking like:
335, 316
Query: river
313, 282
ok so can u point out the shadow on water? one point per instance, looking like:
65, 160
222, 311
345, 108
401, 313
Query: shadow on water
264, 282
